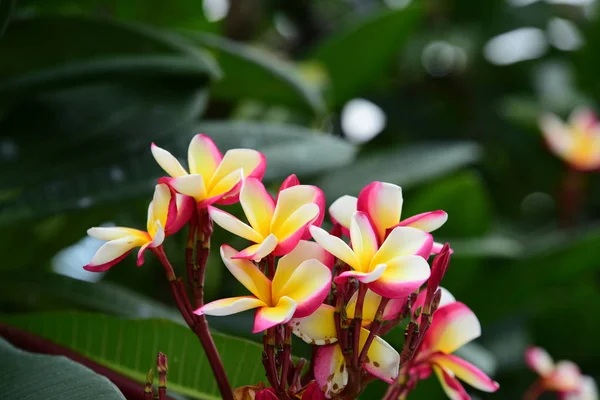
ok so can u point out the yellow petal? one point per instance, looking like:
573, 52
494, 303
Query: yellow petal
247, 274
167, 162
159, 207
318, 328
203, 156
232, 305
289, 201
234, 160
258, 205
234, 225
335, 246
363, 239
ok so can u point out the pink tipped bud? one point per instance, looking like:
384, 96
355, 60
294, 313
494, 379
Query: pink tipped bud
161, 363
290, 181
439, 266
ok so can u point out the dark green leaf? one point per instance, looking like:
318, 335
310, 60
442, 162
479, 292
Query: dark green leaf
256, 74
354, 57
130, 346
41, 377
6, 7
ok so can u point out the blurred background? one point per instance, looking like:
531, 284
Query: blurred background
440, 97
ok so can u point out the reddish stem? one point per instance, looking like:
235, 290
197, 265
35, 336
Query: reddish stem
375, 327
287, 349
203, 233
571, 197
269, 348
357, 322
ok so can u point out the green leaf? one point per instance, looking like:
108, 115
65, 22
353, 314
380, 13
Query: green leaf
39, 377
252, 73
103, 49
363, 52
6, 7
408, 166
130, 346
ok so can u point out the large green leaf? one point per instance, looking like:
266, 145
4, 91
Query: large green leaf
40, 377
407, 167
6, 7
360, 54
103, 49
251, 73
129, 347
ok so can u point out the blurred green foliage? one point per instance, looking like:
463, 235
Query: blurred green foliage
86, 86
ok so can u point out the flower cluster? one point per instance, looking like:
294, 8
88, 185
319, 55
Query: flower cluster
340, 291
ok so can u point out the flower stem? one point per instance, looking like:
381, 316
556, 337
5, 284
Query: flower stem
204, 231
374, 329
357, 322
287, 349
269, 361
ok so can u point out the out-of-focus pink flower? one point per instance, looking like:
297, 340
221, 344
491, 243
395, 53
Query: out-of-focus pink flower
577, 141
167, 213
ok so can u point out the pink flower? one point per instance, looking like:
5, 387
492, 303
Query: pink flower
382, 203
302, 281
212, 178
167, 213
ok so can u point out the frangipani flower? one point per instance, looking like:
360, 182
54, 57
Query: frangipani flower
577, 142
167, 213
563, 377
453, 326
275, 226
382, 202
329, 368
302, 281
212, 178
394, 269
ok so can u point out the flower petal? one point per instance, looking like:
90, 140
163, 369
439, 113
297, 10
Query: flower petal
231, 305
185, 207
291, 200
539, 360
297, 222
583, 119
453, 326
268, 317
247, 274
364, 277
330, 370
203, 156
290, 181
427, 221
566, 377
445, 299
251, 162
403, 275
258, 205
115, 232
233, 225
342, 209
383, 361
454, 390
335, 246
363, 239
317, 328
465, 371
588, 390
228, 187
307, 285
404, 241
167, 161
112, 252
160, 207
190, 185
383, 204
557, 135
258, 251
370, 306
437, 247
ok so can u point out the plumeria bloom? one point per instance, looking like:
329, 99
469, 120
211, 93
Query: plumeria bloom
212, 178
394, 269
275, 226
382, 202
167, 213
453, 326
301, 283
577, 142
331, 373
563, 377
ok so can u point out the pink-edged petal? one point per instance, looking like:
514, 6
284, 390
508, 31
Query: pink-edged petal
453, 326
290, 181
258, 205
437, 247
465, 371
289, 201
167, 162
539, 360
335, 246
258, 251
307, 285
454, 390
233, 225
229, 306
247, 274
190, 185
251, 162
289, 243
403, 275
370, 305
115, 232
330, 370
185, 207
383, 361
404, 241
383, 204
557, 135
317, 328
583, 119
296, 228
428, 221
112, 252
158, 235
588, 390
226, 188
203, 156
565, 377
342, 209
364, 277
160, 207
268, 317
363, 239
